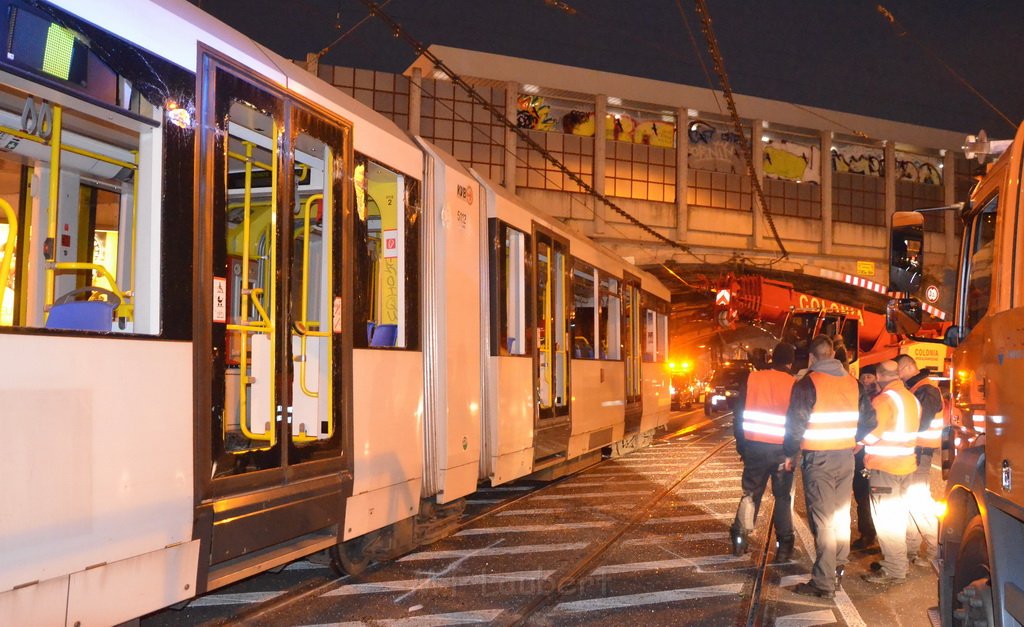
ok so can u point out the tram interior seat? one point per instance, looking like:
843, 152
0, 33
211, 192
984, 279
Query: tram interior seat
582, 348
81, 315
369, 331
384, 335
511, 345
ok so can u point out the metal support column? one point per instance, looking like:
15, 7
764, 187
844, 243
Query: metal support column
600, 160
511, 96
949, 218
682, 166
757, 226
826, 192
415, 100
889, 171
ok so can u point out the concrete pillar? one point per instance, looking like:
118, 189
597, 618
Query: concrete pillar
511, 96
415, 100
949, 218
682, 167
600, 161
889, 171
312, 63
757, 230
826, 192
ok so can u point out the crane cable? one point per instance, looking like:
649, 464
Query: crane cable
723, 78
420, 49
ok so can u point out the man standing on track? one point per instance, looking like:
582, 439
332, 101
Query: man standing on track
828, 412
861, 485
923, 524
889, 455
760, 426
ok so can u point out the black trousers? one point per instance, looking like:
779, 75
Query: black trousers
862, 494
760, 464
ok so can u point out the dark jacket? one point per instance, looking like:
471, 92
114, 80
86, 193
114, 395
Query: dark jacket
801, 404
928, 395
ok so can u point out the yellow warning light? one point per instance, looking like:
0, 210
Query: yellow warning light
940, 509
686, 366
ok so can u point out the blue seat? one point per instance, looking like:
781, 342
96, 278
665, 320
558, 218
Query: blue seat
369, 331
81, 315
384, 335
511, 345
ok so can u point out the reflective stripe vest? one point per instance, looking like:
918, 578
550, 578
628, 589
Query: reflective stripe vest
767, 399
930, 435
891, 446
832, 425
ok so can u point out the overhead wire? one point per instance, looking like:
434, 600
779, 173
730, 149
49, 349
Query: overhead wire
902, 31
723, 77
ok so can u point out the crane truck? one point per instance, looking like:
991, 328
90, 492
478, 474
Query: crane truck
981, 536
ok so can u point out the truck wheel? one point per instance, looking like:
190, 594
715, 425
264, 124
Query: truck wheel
971, 579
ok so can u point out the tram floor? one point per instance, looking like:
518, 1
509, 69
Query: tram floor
642, 539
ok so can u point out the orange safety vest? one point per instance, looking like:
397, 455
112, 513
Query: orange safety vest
832, 425
764, 413
930, 437
891, 446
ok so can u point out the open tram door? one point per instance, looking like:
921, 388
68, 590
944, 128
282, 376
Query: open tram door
270, 469
552, 424
632, 321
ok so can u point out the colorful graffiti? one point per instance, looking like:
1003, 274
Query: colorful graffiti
534, 114
791, 161
713, 148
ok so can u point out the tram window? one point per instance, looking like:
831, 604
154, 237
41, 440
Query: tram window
318, 148
508, 289
650, 336
979, 273
248, 228
661, 320
610, 327
584, 321
386, 310
90, 245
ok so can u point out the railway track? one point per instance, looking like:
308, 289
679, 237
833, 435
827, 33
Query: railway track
651, 544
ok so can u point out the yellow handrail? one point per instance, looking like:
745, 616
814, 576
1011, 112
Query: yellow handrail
547, 346
9, 245
126, 309
305, 253
51, 210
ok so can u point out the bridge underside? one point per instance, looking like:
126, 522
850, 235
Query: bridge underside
696, 335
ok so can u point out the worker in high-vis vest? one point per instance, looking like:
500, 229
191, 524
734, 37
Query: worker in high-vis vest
890, 456
828, 412
759, 424
923, 522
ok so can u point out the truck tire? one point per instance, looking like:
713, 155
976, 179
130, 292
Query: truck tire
971, 579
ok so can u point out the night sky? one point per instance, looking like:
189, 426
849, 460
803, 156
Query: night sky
836, 54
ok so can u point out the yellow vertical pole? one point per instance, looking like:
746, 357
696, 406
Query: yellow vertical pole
135, 217
272, 279
54, 193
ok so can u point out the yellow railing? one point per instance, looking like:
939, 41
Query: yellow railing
55, 141
126, 309
9, 245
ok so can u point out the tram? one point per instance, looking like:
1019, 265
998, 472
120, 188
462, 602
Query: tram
245, 319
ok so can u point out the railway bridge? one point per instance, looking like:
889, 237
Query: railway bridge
681, 190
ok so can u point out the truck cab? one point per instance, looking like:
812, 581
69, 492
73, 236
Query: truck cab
981, 547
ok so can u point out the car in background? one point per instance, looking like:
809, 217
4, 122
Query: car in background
686, 391
724, 387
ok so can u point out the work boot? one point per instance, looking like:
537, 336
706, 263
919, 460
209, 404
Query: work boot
740, 542
840, 571
882, 577
784, 550
863, 542
808, 589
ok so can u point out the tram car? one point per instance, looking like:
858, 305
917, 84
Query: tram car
246, 319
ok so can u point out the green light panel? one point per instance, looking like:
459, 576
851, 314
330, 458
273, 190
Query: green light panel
60, 46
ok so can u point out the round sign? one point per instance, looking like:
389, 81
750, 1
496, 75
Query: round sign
932, 293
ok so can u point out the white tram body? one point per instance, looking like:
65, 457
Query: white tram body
246, 318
